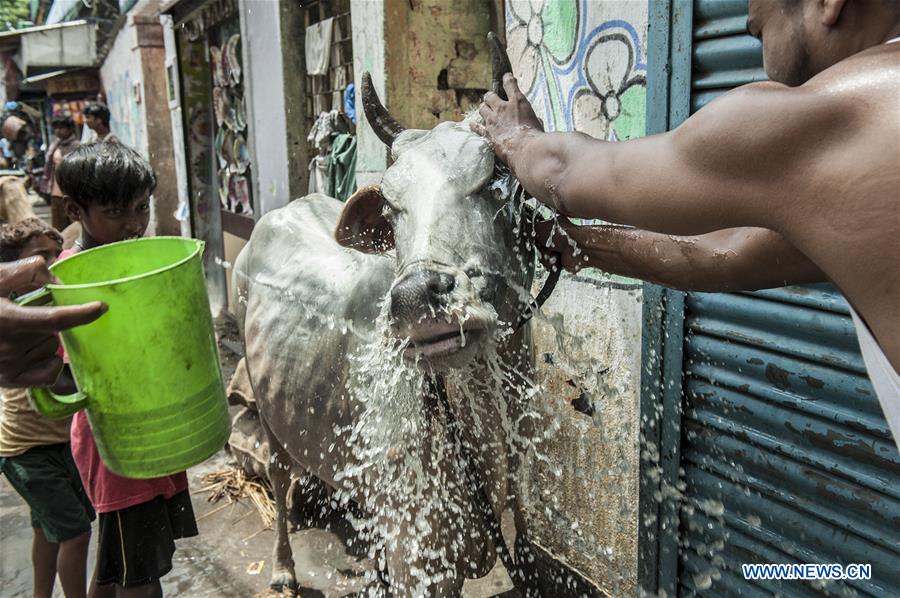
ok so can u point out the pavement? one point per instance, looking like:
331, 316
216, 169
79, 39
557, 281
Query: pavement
231, 558
40, 207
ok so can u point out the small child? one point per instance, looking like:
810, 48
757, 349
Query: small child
35, 454
107, 187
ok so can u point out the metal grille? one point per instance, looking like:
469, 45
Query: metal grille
785, 455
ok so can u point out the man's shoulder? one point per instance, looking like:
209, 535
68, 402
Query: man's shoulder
873, 71
859, 95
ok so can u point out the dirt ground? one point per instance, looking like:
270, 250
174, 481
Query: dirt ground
231, 558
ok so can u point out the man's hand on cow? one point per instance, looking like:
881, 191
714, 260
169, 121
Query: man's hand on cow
508, 123
28, 342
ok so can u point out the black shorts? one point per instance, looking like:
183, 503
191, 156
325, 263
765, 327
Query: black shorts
46, 477
136, 544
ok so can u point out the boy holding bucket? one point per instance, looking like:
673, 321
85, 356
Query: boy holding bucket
35, 454
107, 188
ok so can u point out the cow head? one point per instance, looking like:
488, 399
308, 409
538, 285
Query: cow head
462, 258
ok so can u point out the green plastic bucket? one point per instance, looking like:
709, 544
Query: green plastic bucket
148, 370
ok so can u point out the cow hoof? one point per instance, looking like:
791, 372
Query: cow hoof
284, 582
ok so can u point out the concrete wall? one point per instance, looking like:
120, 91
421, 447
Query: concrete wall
134, 78
367, 20
160, 148
437, 59
582, 66
176, 119
264, 93
123, 78
435, 66
293, 63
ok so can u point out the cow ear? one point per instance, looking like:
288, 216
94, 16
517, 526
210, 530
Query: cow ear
362, 226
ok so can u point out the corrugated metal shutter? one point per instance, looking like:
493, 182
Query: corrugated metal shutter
785, 455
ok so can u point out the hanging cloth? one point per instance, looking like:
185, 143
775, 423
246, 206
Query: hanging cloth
342, 166
327, 125
318, 175
318, 46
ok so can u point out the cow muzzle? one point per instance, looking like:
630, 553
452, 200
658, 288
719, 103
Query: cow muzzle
426, 308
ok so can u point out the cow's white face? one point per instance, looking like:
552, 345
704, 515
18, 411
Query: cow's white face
461, 269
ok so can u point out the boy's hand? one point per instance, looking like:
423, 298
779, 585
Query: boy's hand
22, 276
28, 342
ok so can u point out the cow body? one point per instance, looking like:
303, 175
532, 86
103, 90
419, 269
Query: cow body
299, 291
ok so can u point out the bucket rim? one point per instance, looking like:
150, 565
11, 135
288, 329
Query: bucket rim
198, 248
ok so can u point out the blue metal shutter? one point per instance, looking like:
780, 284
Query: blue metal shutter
783, 454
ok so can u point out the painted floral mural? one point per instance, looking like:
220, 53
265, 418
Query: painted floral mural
581, 63
540, 32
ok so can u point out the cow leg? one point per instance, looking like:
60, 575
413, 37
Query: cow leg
279, 471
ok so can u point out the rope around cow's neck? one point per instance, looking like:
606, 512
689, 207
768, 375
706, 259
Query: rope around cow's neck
507, 189
549, 283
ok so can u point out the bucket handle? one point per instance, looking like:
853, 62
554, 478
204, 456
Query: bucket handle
42, 399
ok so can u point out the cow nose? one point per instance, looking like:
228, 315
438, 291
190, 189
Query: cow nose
438, 284
420, 290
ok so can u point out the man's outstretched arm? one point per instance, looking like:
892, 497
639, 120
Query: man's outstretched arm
738, 162
739, 259
28, 341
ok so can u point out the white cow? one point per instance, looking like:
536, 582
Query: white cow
350, 311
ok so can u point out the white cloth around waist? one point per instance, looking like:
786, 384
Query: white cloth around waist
882, 374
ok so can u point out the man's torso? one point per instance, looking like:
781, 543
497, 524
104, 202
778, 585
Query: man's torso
846, 213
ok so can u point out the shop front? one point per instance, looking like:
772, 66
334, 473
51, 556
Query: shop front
253, 126
207, 100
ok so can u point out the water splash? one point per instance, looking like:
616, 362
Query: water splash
408, 475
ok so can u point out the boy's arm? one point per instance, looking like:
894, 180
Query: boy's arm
727, 260
746, 159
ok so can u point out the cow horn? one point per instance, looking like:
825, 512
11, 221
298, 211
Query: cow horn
500, 65
381, 121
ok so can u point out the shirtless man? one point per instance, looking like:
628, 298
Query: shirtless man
793, 180
28, 342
